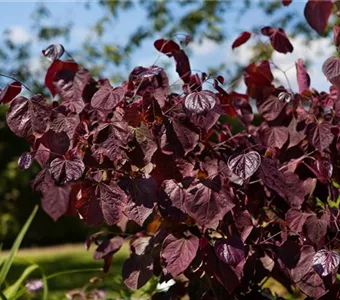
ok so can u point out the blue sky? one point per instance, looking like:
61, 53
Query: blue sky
16, 15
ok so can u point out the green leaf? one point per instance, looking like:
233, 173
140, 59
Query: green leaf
9, 261
11, 292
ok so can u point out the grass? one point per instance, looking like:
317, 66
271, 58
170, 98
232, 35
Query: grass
72, 257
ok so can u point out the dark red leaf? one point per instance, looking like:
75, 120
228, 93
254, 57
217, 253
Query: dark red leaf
65, 170
175, 193
336, 35
316, 228
312, 285
271, 108
43, 181
320, 135
304, 264
137, 270
207, 202
224, 273
178, 253
142, 196
278, 39
55, 142
256, 77
275, 136
286, 2
220, 79
146, 141
200, 102
186, 135
110, 139
317, 14
241, 39
56, 67
67, 124
296, 219
112, 202
303, 78
167, 47
53, 52
10, 92
106, 98
182, 65
230, 251
331, 69
55, 201
26, 117
108, 247
244, 224
70, 87
272, 177
88, 205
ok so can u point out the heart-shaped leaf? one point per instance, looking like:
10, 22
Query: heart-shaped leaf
200, 102
245, 165
326, 262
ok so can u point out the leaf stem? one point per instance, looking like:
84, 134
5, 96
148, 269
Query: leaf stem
13, 78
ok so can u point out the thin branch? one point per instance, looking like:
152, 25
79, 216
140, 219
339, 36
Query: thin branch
13, 78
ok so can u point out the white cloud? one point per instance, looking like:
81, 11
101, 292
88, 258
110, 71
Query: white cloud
205, 48
19, 35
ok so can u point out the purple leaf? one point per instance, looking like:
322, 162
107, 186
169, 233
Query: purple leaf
26, 117
64, 170
304, 264
142, 196
71, 88
207, 202
108, 247
67, 124
303, 78
56, 142
275, 136
186, 135
53, 52
178, 253
326, 262
55, 201
241, 39
200, 102
88, 205
316, 228
112, 202
175, 193
137, 270
25, 160
10, 92
317, 14
230, 251
296, 219
106, 98
320, 135
146, 141
245, 165
278, 39
331, 69
271, 108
